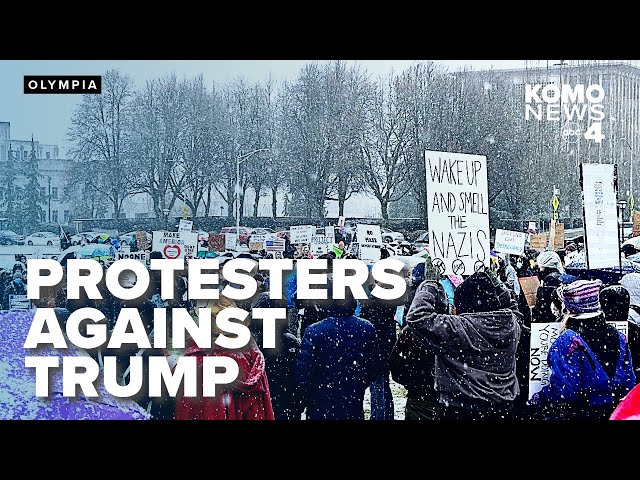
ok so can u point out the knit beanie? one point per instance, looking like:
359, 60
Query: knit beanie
476, 294
581, 296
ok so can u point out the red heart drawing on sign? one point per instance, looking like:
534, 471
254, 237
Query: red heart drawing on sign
172, 251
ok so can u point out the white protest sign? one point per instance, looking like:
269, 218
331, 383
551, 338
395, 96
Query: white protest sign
369, 241
230, 240
175, 244
185, 225
600, 215
301, 234
542, 337
508, 241
19, 302
322, 242
458, 211
140, 256
341, 221
256, 242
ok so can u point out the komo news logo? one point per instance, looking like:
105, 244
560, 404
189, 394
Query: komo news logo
66, 84
573, 105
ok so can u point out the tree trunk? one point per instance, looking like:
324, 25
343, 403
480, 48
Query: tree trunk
274, 202
256, 202
207, 205
384, 208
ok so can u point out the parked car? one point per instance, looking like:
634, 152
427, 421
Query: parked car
88, 236
261, 231
242, 232
422, 240
7, 239
389, 236
130, 238
13, 236
42, 238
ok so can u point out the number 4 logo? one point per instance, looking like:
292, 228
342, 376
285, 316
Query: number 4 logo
594, 132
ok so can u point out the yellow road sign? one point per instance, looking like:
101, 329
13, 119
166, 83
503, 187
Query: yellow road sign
555, 202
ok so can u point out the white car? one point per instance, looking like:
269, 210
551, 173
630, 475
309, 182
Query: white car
42, 239
389, 236
88, 236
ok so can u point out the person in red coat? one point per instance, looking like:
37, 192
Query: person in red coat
247, 398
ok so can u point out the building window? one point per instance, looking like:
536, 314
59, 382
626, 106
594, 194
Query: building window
43, 191
67, 216
1, 193
24, 155
43, 217
54, 193
48, 155
54, 216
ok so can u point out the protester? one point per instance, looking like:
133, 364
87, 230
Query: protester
475, 349
507, 273
279, 363
548, 262
590, 361
247, 398
631, 282
15, 287
339, 358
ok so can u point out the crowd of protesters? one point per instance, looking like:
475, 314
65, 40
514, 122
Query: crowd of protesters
458, 345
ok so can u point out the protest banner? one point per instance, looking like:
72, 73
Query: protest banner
508, 241
140, 256
600, 215
539, 241
301, 234
542, 337
369, 242
19, 302
216, 242
185, 225
636, 224
175, 244
529, 287
274, 245
230, 241
141, 240
458, 210
622, 327
322, 241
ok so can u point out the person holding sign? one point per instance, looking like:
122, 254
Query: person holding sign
15, 288
475, 349
590, 360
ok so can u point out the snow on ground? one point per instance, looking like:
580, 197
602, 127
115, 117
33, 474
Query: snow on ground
399, 401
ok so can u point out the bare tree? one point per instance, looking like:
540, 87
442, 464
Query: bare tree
100, 138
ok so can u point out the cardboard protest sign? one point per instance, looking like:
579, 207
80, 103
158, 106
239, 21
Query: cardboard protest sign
369, 242
256, 242
185, 225
140, 256
19, 302
511, 242
175, 244
216, 242
558, 240
600, 215
230, 241
529, 287
141, 240
539, 241
458, 211
542, 337
636, 224
301, 234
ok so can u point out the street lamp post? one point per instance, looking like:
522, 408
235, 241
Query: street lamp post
622, 204
631, 199
239, 160
49, 198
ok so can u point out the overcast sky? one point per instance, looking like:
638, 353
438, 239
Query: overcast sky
47, 116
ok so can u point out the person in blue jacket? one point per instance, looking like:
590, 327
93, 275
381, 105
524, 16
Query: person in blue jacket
590, 361
339, 358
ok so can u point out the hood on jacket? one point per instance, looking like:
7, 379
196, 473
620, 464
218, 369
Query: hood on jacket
476, 294
631, 281
614, 302
549, 259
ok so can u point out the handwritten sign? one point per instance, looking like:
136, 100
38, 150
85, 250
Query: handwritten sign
140, 256
230, 241
323, 241
511, 242
256, 242
175, 244
539, 241
19, 302
600, 215
216, 242
141, 240
185, 225
458, 210
369, 242
558, 239
636, 224
301, 234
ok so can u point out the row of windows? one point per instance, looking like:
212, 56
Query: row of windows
24, 154
43, 192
